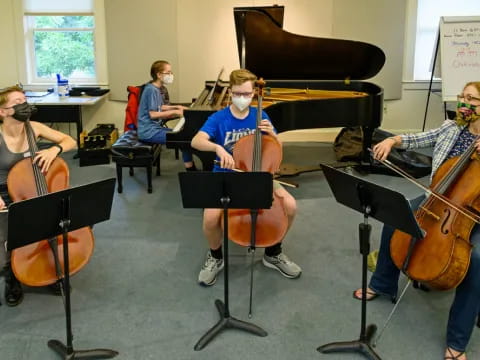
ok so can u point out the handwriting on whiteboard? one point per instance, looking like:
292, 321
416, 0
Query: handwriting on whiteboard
465, 42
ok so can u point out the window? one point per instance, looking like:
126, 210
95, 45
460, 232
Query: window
64, 37
64, 45
428, 18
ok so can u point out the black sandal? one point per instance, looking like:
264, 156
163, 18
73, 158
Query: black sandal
373, 295
451, 356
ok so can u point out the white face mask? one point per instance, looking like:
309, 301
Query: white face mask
168, 79
241, 102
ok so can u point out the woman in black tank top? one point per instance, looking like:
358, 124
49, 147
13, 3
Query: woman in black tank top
14, 111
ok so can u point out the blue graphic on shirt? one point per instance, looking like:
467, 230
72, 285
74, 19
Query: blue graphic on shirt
231, 137
225, 129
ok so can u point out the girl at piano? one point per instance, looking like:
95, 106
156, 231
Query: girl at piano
14, 111
155, 110
219, 134
451, 139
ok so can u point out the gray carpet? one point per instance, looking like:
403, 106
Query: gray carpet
139, 296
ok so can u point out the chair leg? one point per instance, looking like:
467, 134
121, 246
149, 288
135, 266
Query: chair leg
131, 172
119, 179
149, 179
157, 162
156, 152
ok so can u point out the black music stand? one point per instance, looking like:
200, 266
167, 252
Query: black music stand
226, 190
388, 207
62, 211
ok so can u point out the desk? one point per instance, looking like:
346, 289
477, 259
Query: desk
52, 109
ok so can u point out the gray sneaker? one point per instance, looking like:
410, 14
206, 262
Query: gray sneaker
282, 263
210, 269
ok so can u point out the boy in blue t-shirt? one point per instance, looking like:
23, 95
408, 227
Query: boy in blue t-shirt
219, 134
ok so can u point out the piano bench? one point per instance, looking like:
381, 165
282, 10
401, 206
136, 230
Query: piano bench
130, 152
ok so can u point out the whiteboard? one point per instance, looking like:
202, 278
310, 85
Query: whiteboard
460, 53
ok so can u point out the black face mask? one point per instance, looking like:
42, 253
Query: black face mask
23, 111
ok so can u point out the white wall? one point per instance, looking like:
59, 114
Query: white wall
8, 61
139, 33
381, 23
210, 44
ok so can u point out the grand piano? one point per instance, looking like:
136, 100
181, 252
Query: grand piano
308, 64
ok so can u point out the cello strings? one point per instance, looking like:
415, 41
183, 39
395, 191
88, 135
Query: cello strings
455, 170
39, 177
472, 216
42, 189
404, 174
257, 152
32, 147
440, 197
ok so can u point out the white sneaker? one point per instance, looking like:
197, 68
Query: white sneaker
282, 263
210, 269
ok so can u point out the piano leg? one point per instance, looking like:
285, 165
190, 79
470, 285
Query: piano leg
367, 144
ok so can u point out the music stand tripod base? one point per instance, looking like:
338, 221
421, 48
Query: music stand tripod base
227, 322
362, 345
70, 354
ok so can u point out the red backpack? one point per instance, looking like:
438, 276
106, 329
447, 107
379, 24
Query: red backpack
131, 111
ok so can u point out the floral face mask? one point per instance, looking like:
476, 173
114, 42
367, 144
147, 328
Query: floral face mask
466, 113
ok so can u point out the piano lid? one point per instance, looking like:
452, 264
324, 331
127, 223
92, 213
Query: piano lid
275, 54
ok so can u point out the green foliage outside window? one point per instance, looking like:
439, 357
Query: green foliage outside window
64, 45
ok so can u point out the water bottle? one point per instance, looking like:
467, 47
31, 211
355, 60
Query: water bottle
62, 87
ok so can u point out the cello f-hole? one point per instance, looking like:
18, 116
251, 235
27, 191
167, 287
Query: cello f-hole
443, 228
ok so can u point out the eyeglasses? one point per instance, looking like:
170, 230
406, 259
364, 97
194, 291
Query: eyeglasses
167, 73
467, 97
244, 94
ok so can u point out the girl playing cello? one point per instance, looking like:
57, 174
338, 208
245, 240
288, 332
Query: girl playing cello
14, 111
451, 139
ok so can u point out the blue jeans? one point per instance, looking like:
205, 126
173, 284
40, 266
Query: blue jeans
466, 304
160, 137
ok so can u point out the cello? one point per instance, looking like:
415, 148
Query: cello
35, 264
441, 258
260, 227
447, 216
258, 152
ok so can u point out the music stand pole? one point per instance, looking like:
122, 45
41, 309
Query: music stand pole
384, 205
226, 190
67, 351
361, 345
226, 320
